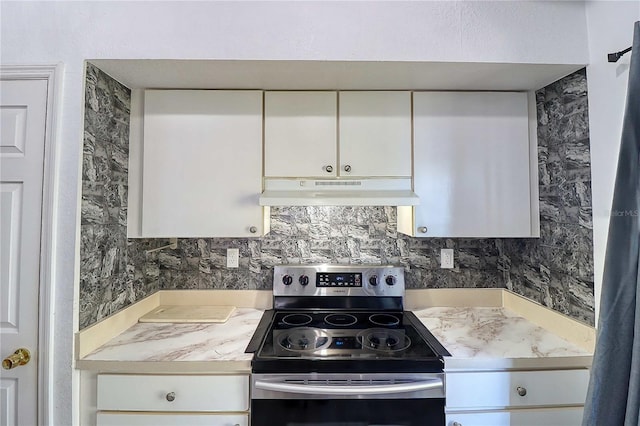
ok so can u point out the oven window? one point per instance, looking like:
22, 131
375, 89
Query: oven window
348, 412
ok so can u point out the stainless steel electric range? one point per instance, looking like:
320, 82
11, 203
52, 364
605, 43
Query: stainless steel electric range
338, 349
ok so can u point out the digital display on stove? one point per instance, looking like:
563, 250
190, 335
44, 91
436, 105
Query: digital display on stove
339, 279
344, 342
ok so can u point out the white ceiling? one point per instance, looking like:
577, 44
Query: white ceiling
330, 75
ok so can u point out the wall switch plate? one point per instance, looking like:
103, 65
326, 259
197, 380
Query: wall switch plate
233, 257
446, 258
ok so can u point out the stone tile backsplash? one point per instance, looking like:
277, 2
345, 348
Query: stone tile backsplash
345, 235
555, 270
113, 270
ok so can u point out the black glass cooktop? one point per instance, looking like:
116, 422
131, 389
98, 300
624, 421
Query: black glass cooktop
336, 341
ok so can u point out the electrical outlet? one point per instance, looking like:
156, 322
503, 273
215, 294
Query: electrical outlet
446, 258
233, 257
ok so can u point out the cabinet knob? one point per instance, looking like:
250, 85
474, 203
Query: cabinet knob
347, 168
456, 424
171, 396
253, 229
328, 168
422, 229
521, 391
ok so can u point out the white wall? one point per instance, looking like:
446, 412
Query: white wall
610, 28
70, 32
485, 31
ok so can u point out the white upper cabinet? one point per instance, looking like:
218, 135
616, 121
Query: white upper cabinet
475, 166
331, 134
375, 134
300, 132
202, 163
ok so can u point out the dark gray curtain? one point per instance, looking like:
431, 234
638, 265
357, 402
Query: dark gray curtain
614, 388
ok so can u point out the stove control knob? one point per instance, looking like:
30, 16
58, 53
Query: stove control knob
373, 280
390, 280
287, 280
304, 280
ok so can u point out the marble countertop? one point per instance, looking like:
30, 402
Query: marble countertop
498, 338
475, 337
192, 342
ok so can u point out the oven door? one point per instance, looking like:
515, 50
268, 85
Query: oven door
347, 400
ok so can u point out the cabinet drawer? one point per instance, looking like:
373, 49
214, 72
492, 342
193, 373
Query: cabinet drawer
503, 389
189, 393
168, 419
521, 417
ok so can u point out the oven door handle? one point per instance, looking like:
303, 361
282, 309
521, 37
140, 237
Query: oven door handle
349, 390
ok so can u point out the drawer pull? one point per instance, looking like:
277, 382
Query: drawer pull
521, 391
171, 396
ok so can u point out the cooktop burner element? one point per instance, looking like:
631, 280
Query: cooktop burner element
340, 320
305, 339
382, 339
386, 320
297, 319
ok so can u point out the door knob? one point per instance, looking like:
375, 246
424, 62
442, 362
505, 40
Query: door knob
18, 358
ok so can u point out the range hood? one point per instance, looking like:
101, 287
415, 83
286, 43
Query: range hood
338, 192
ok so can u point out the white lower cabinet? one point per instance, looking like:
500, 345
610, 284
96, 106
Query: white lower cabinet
168, 419
163, 400
566, 416
516, 398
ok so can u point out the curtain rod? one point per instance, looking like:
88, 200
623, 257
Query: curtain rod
613, 57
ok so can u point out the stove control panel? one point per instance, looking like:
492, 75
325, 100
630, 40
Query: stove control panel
338, 280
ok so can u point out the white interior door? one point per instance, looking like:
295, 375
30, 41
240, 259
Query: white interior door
23, 109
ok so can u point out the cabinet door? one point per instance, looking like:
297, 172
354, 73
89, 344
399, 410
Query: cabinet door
375, 134
202, 173
501, 389
472, 164
169, 419
122, 392
300, 134
567, 416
